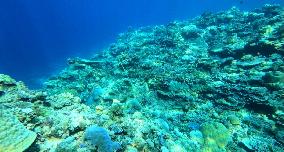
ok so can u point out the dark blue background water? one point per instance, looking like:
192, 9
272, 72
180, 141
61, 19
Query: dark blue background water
36, 36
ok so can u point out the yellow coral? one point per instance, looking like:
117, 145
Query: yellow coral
216, 136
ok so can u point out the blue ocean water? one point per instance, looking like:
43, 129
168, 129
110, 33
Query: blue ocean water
36, 37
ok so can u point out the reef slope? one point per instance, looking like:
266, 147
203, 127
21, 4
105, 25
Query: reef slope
214, 83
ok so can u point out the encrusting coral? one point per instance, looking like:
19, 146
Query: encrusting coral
14, 137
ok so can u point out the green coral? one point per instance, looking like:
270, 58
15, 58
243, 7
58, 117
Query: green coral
216, 136
14, 137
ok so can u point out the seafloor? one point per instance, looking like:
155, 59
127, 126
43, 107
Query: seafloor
211, 84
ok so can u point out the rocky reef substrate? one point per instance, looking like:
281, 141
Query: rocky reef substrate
211, 84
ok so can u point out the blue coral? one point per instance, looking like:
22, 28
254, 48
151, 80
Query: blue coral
100, 138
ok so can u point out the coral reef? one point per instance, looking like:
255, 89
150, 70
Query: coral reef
213, 83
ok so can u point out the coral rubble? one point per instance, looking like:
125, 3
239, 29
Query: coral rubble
214, 83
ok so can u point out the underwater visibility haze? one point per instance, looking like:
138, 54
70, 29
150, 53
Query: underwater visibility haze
36, 37
151, 76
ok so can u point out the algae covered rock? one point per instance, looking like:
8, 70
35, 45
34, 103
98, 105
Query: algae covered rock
5, 81
62, 100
